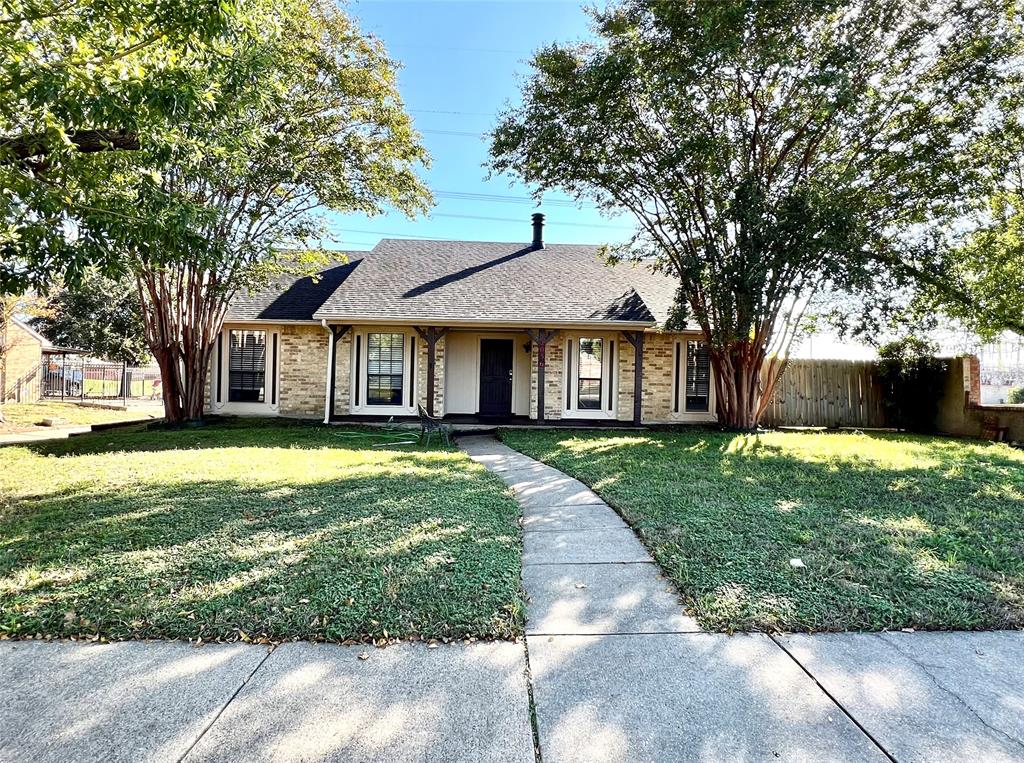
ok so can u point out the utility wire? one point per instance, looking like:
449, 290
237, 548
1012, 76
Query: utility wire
517, 220
454, 132
506, 198
456, 113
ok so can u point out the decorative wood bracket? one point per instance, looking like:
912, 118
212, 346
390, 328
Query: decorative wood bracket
636, 338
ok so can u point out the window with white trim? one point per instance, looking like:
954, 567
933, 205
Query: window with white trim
589, 384
698, 377
385, 367
247, 366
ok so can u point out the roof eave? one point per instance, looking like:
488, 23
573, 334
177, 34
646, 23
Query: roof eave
378, 320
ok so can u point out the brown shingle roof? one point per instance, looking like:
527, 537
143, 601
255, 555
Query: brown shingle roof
438, 281
501, 282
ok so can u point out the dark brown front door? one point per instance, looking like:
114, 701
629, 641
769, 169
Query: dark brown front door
495, 377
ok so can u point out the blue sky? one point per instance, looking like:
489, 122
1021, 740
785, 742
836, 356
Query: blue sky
462, 62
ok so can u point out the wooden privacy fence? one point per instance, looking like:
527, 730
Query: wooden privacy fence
827, 393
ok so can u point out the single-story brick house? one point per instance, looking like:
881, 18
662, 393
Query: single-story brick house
468, 330
20, 361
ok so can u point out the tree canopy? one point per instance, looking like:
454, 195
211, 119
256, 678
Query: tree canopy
203, 150
769, 151
101, 315
306, 120
978, 279
78, 79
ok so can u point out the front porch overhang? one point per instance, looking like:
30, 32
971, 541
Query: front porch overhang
487, 324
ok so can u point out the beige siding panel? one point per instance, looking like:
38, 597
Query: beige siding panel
462, 372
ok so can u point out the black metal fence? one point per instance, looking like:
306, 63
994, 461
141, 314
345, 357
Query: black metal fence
65, 377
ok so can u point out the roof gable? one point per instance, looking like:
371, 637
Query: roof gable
290, 298
468, 281
499, 282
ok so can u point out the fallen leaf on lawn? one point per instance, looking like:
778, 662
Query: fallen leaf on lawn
364, 655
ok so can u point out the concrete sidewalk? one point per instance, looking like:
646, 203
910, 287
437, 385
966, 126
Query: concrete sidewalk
620, 672
169, 701
617, 670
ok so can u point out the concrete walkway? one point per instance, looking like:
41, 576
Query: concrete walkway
619, 671
616, 669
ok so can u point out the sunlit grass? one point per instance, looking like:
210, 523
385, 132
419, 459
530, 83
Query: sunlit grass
895, 531
22, 416
250, 529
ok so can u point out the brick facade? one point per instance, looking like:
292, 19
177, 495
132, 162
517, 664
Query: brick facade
554, 370
342, 375
303, 371
19, 367
302, 360
421, 374
659, 373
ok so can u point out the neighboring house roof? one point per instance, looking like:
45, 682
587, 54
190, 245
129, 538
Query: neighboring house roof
27, 328
464, 281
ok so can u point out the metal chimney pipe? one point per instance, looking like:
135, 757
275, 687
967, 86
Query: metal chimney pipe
538, 230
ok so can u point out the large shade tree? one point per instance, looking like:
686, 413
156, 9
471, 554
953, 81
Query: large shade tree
78, 78
978, 277
300, 113
98, 314
769, 151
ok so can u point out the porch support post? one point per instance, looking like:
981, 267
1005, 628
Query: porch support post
636, 338
541, 337
337, 332
430, 335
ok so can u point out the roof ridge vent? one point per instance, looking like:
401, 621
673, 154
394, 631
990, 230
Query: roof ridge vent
538, 230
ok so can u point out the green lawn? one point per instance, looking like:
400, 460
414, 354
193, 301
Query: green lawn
254, 530
25, 416
896, 531
112, 388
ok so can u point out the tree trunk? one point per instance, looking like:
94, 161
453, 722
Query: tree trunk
741, 389
182, 313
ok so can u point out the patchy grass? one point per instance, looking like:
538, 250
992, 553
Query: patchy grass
254, 530
22, 417
896, 531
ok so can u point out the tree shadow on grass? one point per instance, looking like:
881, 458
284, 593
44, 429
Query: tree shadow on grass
396, 543
894, 531
228, 431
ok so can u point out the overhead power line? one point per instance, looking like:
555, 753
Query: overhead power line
548, 222
454, 132
391, 233
456, 113
509, 199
